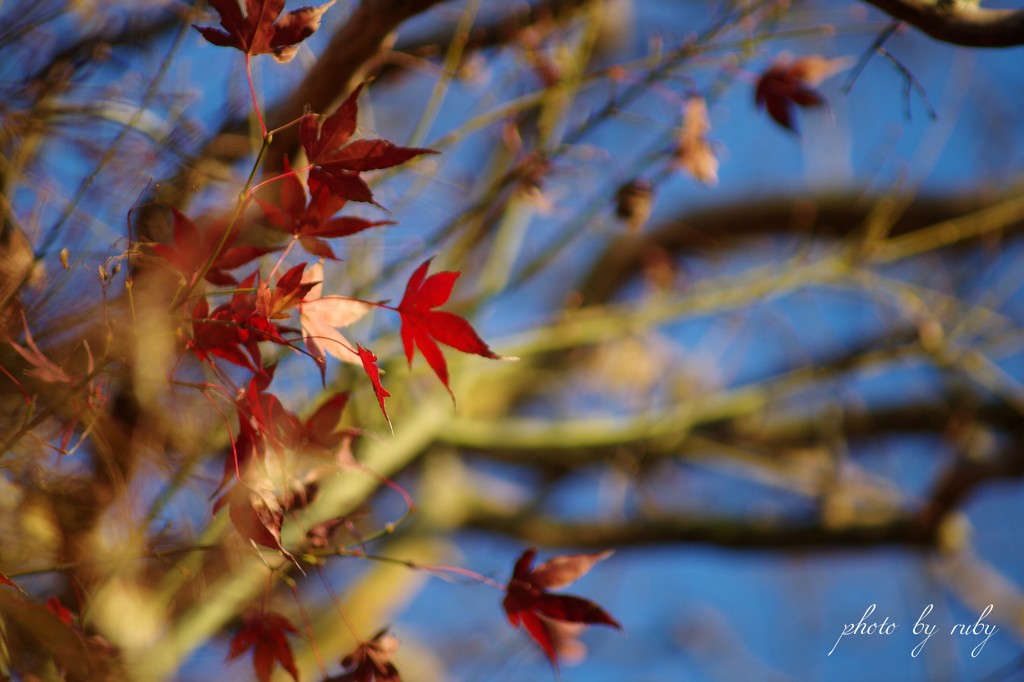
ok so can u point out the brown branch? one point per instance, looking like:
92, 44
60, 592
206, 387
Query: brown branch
957, 22
920, 417
967, 474
731, 225
748, 534
500, 30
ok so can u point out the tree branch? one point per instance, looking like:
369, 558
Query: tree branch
500, 30
750, 534
726, 227
958, 22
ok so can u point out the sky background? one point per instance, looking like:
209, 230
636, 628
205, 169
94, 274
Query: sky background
689, 612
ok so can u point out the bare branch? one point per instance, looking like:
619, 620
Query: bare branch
498, 31
959, 23
755, 534
967, 474
727, 227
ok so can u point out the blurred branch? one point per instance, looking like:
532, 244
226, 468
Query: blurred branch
917, 417
968, 473
569, 442
500, 30
959, 23
754, 533
139, 28
922, 529
728, 226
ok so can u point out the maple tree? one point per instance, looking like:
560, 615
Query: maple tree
217, 450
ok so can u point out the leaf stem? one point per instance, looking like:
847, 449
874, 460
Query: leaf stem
252, 92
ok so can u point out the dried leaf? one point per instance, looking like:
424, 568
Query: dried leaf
321, 317
788, 84
694, 153
259, 31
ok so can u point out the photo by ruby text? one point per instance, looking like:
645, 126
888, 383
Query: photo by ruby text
921, 629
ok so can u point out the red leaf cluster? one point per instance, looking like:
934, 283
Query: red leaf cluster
262, 30
226, 333
528, 603
266, 633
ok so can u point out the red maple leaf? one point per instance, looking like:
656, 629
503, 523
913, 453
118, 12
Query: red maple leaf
256, 514
313, 223
266, 633
320, 432
259, 31
369, 361
54, 606
192, 250
527, 599
337, 160
371, 661
790, 83
227, 333
422, 326
262, 419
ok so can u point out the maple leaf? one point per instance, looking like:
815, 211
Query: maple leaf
369, 360
693, 152
54, 606
259, 30
192, 249
261, 418
256, 514
321, 431
527, 600
321, 316
337, 160
790, 83
319, 536
291, 288
371, 661
422, 326
313, 223
222, 334
266, 633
